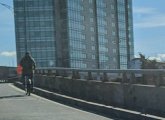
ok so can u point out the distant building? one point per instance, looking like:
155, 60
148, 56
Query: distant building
135, 63
96, 34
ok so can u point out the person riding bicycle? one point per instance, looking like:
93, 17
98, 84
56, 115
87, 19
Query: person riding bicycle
28, 67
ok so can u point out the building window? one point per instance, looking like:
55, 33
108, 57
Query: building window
113, 33
113, 16
114, 50
93, 47
114, 59
113, 24
92, 38
92, 29
90, 10
93, 57
90, 1
91, 20
112, 7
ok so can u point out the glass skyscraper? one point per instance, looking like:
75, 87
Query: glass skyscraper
95, 34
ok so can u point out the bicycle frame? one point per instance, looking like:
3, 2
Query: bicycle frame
28, 85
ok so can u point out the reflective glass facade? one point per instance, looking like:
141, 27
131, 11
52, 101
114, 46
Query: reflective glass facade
101, 15
35, 30
77, 45
75, 33
125, 32
122, 33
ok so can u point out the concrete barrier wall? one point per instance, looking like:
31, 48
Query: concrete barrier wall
138, 97
7, 72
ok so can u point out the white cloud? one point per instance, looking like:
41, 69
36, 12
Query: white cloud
148, 18
6, 16
151, 21
136, 56
8, 53
143, 10
158, 57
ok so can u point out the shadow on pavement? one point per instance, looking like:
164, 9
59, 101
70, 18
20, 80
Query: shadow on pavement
12, 96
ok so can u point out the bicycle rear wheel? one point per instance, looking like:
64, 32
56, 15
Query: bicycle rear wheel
29, 85
28, 90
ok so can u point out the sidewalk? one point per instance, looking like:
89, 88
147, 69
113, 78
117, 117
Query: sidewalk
108, 111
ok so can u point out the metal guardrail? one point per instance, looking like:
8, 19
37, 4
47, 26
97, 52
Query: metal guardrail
3, 81
132, 76
10, 79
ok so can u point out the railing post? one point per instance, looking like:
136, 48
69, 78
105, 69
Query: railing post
73, 74
49, 73
40, 72
64, 73
89, 76
46, 72
77, 75
105, 77
144, 81
159, 80
43, 72
124, 77
155, 79
36, 72
53, 72
57, 73
132, 78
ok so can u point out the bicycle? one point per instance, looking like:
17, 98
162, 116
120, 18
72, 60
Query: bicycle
28, 85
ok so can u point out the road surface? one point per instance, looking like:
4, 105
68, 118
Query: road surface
15, 105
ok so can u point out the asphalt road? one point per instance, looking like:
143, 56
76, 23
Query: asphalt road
15, 105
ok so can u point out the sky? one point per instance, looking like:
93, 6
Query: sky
148, 22
149, 28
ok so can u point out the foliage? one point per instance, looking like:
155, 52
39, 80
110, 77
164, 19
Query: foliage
146, 63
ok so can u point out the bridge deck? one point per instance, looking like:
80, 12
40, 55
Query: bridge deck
14, 105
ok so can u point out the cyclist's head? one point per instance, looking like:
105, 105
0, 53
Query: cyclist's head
27, 53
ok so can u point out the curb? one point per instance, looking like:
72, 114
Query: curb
108, 111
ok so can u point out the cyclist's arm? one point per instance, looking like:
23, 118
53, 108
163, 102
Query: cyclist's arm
34, 65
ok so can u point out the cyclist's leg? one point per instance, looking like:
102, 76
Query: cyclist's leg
28, 86
25, 84
32, 81
23, 79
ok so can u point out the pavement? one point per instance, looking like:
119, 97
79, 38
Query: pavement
15, 105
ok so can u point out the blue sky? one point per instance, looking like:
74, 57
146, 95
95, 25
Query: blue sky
149, 30
7, 36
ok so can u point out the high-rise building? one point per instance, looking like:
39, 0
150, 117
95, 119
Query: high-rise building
95, 34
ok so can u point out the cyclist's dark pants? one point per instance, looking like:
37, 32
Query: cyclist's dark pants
30, 76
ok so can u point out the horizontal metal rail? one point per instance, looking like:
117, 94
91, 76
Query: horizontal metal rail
108, 70
126, 75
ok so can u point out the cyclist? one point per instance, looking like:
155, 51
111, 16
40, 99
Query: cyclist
28, 67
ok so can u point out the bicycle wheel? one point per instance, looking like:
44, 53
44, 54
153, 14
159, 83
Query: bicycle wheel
29, 84
25, 85
28, 89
